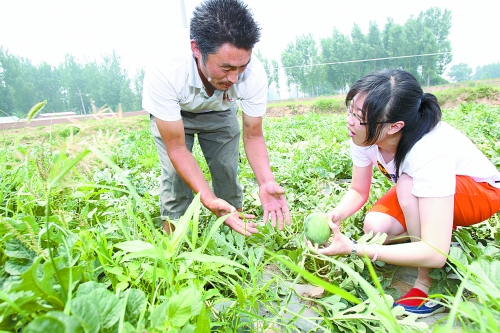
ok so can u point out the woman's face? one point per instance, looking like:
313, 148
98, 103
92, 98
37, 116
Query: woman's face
355, 122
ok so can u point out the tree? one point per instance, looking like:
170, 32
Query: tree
275, 75
361, 51
75, 94
265, 63
375, 46
395, 43
138, 82
48, 87
439, 23
337, 52
460, 72
489, 71
112, 81
300, 61
429, 64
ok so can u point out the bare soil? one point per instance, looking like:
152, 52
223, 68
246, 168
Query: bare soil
296, 108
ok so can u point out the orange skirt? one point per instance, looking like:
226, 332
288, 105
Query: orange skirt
474, 202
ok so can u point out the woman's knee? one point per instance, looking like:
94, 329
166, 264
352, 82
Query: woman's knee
377, 222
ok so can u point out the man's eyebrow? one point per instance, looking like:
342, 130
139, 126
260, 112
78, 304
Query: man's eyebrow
231, 66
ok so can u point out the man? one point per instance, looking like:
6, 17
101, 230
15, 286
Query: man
196, 94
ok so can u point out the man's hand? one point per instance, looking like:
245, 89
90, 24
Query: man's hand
239, 224
236, 220
274, 203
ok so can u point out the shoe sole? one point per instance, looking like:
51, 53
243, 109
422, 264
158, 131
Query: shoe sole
424, 315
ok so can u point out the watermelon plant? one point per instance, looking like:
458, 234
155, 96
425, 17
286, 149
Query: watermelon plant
81, 248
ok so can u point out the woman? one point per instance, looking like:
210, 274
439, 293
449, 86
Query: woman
442, 179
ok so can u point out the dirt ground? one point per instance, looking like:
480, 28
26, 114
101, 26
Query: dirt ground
289, 110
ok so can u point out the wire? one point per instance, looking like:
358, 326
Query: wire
364, 60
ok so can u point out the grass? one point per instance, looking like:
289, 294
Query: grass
84, 201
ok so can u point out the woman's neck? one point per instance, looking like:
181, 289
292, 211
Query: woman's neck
388, 146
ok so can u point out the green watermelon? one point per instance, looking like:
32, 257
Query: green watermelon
317, 229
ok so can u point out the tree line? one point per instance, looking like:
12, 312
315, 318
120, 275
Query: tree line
73, 86
462, 72
419, 46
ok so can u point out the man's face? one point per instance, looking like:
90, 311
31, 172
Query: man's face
222, 68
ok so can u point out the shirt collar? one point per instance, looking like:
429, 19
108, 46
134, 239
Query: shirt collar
195, 79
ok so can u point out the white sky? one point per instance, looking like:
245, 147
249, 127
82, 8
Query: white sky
46, 30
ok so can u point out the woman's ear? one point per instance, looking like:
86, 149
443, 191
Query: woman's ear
396, 127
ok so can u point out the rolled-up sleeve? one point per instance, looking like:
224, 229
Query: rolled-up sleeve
159, 97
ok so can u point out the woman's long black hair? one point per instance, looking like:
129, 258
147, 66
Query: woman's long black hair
395, 95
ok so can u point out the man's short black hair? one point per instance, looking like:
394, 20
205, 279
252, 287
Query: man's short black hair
217, 22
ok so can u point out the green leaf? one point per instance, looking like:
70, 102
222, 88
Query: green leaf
315, 279
203, 322
71, 324
109, 307
183, 306
459, 255
45, 325
87, 287
40, 284
87, 313
211, 259
240, 294
159, 316
15, 249
136, 303
17, 267
35, 110
485, 277
134, 246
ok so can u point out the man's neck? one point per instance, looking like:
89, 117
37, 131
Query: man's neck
209, 88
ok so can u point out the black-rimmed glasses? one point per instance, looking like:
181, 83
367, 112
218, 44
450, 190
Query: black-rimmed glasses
351, 113
361, 122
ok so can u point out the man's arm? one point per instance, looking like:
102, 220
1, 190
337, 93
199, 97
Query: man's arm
256, 150
271, 194
172, 134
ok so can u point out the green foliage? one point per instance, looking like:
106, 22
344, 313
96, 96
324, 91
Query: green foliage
489, 71
329, 104
460, 72
79, 251
420, 46
71, 86
467, 93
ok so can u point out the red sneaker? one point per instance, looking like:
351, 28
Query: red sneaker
417, 302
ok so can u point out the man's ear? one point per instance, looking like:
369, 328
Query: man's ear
194, 48
396, 127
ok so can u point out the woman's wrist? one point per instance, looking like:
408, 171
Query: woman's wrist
338, 213
354, 248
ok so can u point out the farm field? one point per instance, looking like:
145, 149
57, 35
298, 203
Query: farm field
82, 249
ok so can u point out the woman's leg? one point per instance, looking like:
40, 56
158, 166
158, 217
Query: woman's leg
387, 217
409, 204
396, 214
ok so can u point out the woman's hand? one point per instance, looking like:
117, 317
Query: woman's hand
341, 244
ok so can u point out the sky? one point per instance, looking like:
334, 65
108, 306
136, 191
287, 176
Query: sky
45, 31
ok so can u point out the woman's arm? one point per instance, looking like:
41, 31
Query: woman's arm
436, 222
356, 196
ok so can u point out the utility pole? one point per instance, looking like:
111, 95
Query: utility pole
183, 14
81, 99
